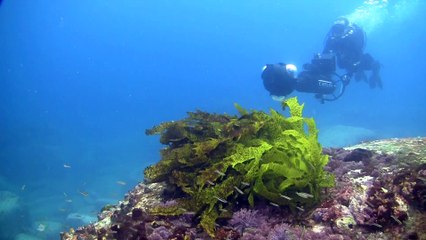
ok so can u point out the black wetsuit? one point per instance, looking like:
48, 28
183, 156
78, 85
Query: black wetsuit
349, 50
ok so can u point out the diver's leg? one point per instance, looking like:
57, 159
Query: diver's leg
370, 64
360, 76
375, 75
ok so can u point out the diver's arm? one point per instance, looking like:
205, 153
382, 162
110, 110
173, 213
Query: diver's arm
355, 39
329, 46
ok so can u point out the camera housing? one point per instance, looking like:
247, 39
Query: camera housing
324, 63
316, 77
278, 80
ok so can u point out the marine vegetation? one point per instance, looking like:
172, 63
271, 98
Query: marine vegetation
214, 161
380, 193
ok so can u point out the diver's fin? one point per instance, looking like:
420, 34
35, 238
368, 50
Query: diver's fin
375, 81
360, 76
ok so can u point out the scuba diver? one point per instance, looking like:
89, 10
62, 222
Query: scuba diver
347, 41
344, 44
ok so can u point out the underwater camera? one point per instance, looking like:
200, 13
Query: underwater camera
317, 77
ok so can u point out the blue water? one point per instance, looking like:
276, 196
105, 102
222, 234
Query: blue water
80, 81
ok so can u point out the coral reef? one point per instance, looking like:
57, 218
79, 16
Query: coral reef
261, 176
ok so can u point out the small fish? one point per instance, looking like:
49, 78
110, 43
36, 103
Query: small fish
370, 204
421, 178
304, 195
223, 210
219, 172
246, 184
189, 213
385, 190
210, 182
404, 164
85, 194
185, 225
65, 194
238, 190
274, 204
67, 166
23, 187
376, 225
221, 199
300, 209
396, 219
68, 200
62, 209
183, 209
286, 197
122, 183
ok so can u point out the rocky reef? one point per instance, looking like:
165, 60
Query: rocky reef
265, 176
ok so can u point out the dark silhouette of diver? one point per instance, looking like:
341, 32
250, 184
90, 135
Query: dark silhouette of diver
346, 41
344, 48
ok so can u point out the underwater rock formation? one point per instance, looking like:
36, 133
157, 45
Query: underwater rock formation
10, 207
343, 135
261, 176
9, 202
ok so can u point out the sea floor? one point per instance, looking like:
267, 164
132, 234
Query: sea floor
380, 193
44, 207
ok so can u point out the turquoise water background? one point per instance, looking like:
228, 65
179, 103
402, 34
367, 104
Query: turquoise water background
80, 81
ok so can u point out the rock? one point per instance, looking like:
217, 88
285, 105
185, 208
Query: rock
9, 202
346, 221
358, 154
25, 236
342, 136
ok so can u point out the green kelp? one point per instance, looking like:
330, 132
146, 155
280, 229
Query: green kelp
216, 159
